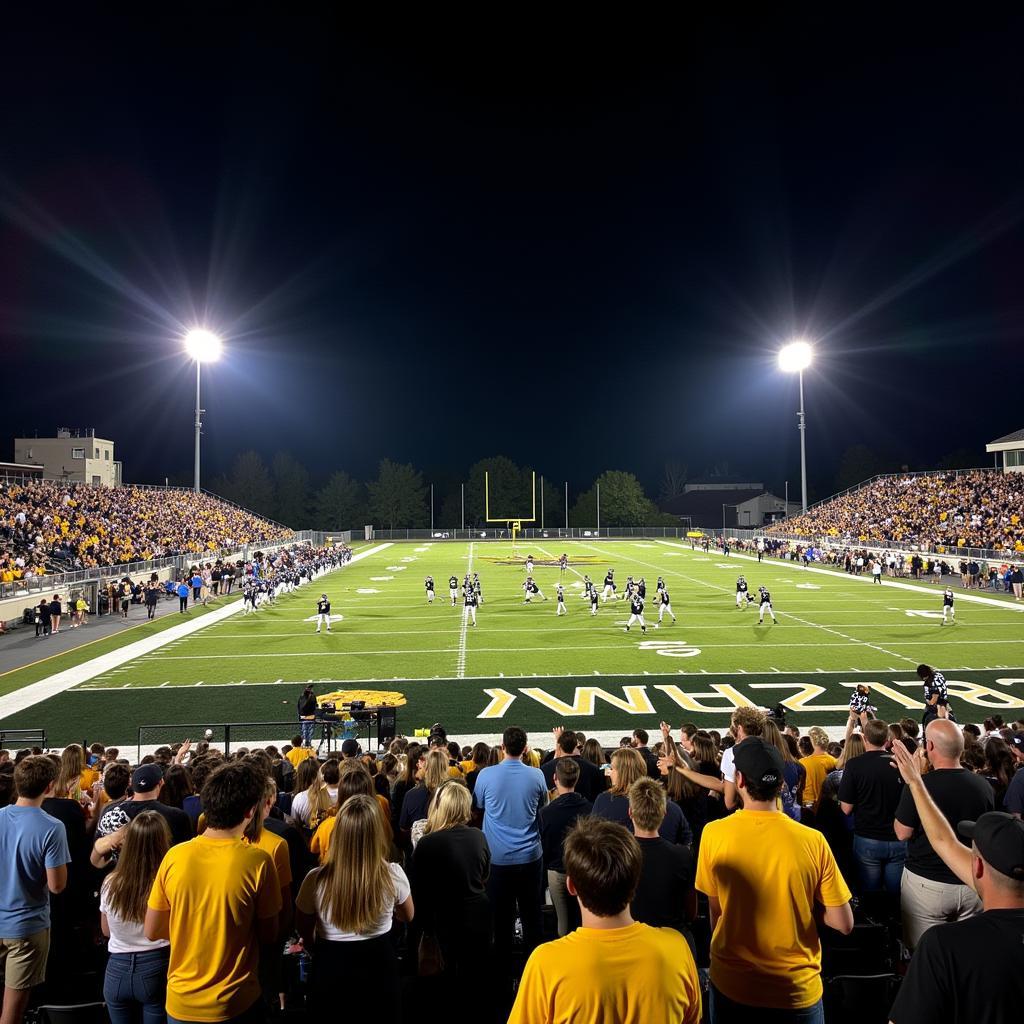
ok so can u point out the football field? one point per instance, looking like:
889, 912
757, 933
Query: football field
523, 664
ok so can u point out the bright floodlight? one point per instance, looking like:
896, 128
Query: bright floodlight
202, 345
796, 356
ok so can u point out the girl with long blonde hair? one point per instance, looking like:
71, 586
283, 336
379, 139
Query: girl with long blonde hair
69, 776
136, 978
345, 908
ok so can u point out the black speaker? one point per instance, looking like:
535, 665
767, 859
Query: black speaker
387, 725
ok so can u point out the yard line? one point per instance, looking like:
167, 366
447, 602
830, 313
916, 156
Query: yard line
460, 660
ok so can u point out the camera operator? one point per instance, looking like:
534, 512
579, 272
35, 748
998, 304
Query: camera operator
307, 706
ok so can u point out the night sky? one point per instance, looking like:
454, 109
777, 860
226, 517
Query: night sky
578, 245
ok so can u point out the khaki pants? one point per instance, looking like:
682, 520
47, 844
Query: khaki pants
566, 908
926, 903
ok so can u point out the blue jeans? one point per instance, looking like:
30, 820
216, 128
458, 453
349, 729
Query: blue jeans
307, 732
881, 863
134, 982
725, 1011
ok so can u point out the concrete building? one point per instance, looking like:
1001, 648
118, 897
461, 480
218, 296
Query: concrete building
1012, 449
78, 456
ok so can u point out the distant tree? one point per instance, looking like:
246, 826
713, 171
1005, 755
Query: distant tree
623, 502
673, 480
248, 484
291, 491
397, 498
857, 464
339, 503
583, 512
554, 503
448, 516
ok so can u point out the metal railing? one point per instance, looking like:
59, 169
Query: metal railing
531, 533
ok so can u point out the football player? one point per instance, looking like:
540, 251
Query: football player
861, 709
560, 598
429, 584
664, 603
529, 565
636, 613
471, 603
947, 607
453, 588
609, 586
588, 586
936, 696
563, 564
593, 599
531, 589
766, 604
743, 597
323, 613
477, 588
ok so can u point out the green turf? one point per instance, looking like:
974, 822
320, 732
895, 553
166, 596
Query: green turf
832, 632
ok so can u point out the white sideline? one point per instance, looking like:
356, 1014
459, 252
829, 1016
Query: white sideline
886, 581
35, 693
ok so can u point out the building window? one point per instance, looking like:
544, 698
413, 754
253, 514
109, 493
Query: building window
1015, 458
106, 454
78, 453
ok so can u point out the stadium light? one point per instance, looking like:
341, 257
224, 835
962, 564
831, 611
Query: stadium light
795, 358
202, 346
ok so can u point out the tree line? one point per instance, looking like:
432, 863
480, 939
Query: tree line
399, 496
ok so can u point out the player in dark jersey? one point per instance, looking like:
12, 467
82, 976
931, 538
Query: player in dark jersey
531, 590
323, 613
947, 607
609, 586
861, 708
636, 613
743, 597
429, 584
563, 564
588, 586
594, 597
470, 600
766, 605
477, 588
664, 605
560, 598
453, 589
641, 587
936, 696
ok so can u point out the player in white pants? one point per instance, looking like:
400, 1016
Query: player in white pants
741, 593
529, 565
665, 605
947, 607
560, 598
323, 613
471, 606
636, 613
766, 605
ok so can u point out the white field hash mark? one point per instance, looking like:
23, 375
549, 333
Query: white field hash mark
460, 661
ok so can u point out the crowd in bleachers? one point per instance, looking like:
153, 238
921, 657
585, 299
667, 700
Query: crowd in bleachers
755, 875
940, 511
54, 526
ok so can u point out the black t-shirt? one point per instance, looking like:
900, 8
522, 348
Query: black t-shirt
666, 882
120, 814
968, 971
961, 796
449, 879
555, 820
414, 806
591, 780
873, 786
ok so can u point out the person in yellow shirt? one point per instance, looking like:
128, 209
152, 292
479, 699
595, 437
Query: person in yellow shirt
353, 781
613, 968
217, 899
299, 753
766, 876
817, 765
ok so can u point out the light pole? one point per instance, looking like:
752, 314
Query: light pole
202, 346
795, 358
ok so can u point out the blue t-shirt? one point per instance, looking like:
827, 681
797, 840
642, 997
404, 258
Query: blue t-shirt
1014, 799
511, 795
182, 590
30, 842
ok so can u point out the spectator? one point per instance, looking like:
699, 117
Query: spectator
1014, 800
510, 795
627, 766
970, 970
217, 900
665, 896
34, 854
478, 761
555, 820
344, 911
817, 764
931, 894
591, 781
354, 780
136, 978
592, 751
147, 786
451, 864
639, 742
613, 968
870, 790
766, 877
417, 800
56, 610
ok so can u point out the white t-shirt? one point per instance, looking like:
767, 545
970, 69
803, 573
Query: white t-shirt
728, 766
300, 804
126, 936
309, 901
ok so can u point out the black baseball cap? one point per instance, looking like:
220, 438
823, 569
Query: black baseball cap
759, 761
1017, 740
146, 778
999, 838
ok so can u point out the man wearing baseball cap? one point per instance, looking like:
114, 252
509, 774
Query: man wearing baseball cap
767, 878
972, 969
147, 784
1014, 799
